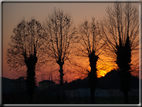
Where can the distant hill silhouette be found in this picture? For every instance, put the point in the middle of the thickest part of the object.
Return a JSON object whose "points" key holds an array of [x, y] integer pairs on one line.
{"points": [[76, 84], [110, 81]]}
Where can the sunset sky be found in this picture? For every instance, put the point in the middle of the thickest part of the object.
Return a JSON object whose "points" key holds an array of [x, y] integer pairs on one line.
{"points": [[14, 13]]}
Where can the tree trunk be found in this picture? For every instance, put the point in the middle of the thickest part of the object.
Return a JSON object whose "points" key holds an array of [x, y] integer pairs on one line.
{"points": [[92, 83], [30, 99], [126, 97], [31, 62], [61, 83], [92, 100], [92, 76], [30, 84]]}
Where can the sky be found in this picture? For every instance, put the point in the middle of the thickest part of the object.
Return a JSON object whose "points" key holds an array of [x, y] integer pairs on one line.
{"points": [[14, 13]]}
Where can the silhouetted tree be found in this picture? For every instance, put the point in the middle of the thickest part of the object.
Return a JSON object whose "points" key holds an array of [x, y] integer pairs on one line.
{"points": [[121, 31], [59, 39], [25, 43], [90, 46]]}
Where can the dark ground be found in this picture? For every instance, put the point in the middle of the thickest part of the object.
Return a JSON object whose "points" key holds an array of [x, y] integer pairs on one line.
{"points": [[55, 100]]}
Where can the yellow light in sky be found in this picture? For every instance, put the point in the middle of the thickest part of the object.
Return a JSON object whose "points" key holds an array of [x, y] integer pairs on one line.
{"points": [[101, 73], [103, 69]]}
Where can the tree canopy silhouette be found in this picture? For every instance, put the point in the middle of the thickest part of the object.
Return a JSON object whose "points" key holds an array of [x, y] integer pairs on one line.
{"points": [[24, 50], [60, 37], [121, 32], [90, 46]]}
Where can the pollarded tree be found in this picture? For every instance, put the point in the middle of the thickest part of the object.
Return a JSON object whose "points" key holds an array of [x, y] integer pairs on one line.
{"points": [[121, 31], [60, 37], [23, 51], [90, 46]]}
